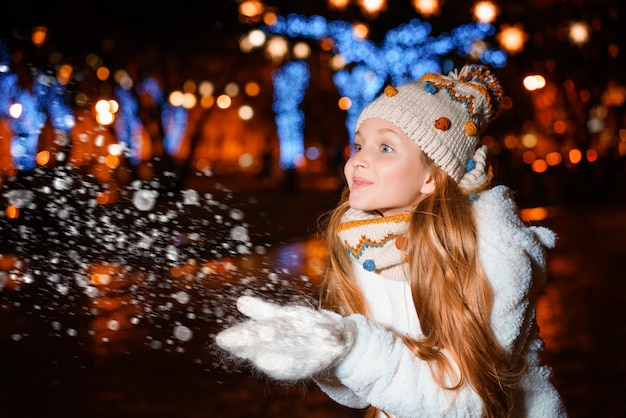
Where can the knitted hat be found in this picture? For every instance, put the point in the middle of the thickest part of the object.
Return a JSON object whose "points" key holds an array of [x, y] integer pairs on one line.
{"points": [[444, 116]]}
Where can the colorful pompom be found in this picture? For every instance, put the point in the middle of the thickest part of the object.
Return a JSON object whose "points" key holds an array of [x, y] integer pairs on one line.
{"points": [[443, 124], [471, 129], [369, 265], [430, 88], [391, 91], [480, 74], [470, 164]]}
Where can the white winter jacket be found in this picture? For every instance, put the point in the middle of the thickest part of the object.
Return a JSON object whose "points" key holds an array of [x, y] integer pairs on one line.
{"points": [[381, 371]]}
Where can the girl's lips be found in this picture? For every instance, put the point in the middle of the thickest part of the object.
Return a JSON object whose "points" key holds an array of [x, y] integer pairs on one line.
{"points": [[358, 182]]}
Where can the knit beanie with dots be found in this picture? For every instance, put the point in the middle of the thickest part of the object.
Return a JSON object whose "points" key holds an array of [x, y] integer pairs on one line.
{"points": [[445, 116]]}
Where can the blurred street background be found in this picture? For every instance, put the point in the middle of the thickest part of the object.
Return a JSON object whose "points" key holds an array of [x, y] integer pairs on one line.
{"points": [[158, 161]]}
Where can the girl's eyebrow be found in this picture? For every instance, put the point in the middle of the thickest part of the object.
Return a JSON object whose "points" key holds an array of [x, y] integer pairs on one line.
{"points": [[383, 131]]}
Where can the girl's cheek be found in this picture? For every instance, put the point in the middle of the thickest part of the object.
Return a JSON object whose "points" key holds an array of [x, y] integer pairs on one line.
{"points": [[347, 168]]}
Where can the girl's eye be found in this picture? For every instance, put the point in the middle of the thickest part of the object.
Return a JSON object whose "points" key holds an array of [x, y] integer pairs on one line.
{"points": [[357, 147], [386, 148]]}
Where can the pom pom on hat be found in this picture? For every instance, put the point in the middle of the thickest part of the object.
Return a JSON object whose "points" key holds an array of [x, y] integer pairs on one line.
{"points": [[391, 91], [444, 116], [483, 78]]}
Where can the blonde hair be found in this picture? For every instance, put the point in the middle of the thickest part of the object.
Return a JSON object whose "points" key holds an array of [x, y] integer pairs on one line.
{"points": [[452, 297]]}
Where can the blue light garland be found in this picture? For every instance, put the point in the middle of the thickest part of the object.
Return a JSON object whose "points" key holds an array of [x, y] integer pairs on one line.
{"points": [[26, 129], [48, 98], [361, 85], [290, 82], [174, 121], [406, 53], [49, 101], [150, 86], [128, 125], [173, 118]]}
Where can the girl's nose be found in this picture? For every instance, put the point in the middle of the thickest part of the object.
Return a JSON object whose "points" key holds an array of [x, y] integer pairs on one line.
{"points": [[359, 159]]}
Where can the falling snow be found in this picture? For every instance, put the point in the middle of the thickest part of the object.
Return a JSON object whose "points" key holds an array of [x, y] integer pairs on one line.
{"points": [[168, 263]]}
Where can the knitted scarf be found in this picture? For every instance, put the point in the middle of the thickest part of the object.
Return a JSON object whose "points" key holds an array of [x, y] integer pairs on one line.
{"points": [[376, 242]]}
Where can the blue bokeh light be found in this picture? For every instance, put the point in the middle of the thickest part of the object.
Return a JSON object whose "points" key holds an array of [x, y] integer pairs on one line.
{"points": [[174, 120], [48, 99], [26, 129], [151, 87], [290, 83], [128, 125], [406, 53]]}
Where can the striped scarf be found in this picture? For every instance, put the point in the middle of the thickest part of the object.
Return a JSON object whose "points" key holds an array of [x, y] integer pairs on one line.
{"points": [[376, 242]]}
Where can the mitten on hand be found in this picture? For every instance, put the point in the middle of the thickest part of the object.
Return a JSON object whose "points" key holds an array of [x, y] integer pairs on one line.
{"points": [[288, 342]]}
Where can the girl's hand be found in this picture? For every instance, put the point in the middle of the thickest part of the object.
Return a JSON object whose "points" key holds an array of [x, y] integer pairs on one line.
{"points": [[288, 342]]}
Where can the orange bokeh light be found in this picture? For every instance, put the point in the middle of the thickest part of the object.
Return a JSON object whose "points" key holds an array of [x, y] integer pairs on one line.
{"points": [[592, 155], [553, 158], [39, 35], [539, 166], [534, 214], [223, 101], [345, 103], [575, 156], [12, 212], [43, 157], [112, 161]]}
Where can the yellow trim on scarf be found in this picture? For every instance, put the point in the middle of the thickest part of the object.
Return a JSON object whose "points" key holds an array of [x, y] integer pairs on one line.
{"points": [[401, 217]]}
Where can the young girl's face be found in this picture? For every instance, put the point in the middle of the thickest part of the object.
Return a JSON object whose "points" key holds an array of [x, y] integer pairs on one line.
{"points": [[387, 171]]}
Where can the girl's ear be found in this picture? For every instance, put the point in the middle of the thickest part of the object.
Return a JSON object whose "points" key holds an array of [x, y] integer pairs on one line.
{"points": [[428, 187]]}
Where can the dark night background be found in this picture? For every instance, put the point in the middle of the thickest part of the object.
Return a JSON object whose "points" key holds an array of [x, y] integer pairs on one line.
{"points": [[60, 355]]}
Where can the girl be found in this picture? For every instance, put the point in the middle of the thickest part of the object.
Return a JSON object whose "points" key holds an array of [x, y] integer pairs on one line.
{"points": [[428, 293]]}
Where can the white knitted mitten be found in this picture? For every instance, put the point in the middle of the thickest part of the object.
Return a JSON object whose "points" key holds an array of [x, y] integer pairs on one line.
{"points": [[288, 342]]}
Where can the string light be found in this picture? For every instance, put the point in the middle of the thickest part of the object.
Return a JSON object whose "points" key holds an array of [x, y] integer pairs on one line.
{"points": [[427, 7], [578, 33], [174, 120], [128, 125], [372, 7], [512, 38], [27, 113], [534, 82], [485, 11], [105, 114], [340, 5], [290, 83], [39, 35], [251, 8], [174, 116], [276, 48]]}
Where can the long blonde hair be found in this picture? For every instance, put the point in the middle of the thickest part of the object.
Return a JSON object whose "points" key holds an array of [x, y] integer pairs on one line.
{"points": [[452, 296]]}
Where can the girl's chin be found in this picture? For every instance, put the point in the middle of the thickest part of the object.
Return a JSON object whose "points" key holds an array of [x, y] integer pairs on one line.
{"points": [[362, 206]]}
